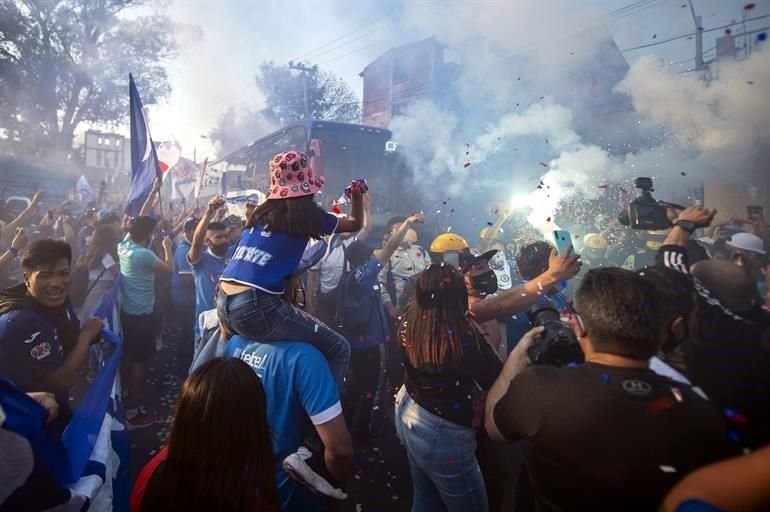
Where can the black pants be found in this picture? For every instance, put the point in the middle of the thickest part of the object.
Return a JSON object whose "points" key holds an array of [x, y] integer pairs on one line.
{"points": [[326, 310], [185, 316], [500, 466], [363, 389]]}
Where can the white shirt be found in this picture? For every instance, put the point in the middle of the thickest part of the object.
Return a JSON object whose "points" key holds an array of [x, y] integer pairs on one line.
{"points": [[331, 266]]}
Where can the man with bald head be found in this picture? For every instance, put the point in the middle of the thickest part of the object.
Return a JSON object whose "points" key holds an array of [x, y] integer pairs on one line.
{"points": [[728, 355]]}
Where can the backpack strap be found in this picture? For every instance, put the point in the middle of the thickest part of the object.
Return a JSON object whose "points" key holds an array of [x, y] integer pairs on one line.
{"points": [[99, 278]]}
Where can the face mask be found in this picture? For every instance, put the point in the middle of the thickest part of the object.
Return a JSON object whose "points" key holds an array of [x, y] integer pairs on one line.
{"points": [[220, 249], [485, 283]]}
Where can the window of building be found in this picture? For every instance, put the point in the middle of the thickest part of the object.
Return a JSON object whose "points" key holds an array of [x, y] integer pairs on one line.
{"points": [[98, 158], [400, 71], [99, 141], [117, 143]]}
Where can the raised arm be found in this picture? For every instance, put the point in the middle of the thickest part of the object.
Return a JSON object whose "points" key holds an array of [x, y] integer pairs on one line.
{"points": [[366, 230], [199, 238], [24, 216], [699, 217], [354, 222], [516, 300], [167, 263], [17, 245], [394, 241]]}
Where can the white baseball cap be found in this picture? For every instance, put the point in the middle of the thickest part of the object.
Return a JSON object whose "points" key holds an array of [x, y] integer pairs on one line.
{"points": [[747, 242]]}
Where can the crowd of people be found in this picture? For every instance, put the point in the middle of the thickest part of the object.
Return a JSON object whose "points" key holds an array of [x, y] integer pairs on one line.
{"points": [[631, 369]]}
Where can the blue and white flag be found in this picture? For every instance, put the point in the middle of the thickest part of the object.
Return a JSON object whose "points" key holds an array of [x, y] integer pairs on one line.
{"points": [[144, 159], [85, 190]]}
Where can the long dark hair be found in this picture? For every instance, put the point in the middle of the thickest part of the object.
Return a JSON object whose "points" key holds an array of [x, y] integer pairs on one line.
{"points": [[219, 452], [437, 319], [104, 241], [298, 216]]}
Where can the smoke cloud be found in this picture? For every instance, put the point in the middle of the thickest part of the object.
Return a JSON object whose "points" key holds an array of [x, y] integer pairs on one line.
{"points": [[511, 142]]}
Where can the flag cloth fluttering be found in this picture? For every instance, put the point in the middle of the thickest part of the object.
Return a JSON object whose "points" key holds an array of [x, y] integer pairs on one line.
{"points": [[144, 158]]}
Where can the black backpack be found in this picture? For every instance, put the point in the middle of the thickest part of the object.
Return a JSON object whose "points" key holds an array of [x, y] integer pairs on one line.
{"points": [[355, 305]]}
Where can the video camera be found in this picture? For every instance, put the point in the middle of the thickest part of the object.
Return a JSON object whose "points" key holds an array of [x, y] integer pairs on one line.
{"points": [[557, 345], [646, 212]]}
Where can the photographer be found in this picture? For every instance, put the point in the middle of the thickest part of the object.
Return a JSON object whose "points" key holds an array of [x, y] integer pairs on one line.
{"points": [[727, 354], [593, 428], [532, 260]]}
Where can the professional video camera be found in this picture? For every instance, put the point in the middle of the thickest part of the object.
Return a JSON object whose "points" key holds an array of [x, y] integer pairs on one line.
{"points": [[646, 212], [557, 345]]}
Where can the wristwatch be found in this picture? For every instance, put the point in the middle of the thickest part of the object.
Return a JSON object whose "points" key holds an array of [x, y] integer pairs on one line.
{"points": [[687, 225]]}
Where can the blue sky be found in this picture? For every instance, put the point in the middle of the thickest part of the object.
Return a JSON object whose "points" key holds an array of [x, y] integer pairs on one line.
{"points": [[217, 71]]}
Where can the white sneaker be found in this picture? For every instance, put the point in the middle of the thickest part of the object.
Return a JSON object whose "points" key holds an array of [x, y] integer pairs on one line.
{"points": [[296, 467]]}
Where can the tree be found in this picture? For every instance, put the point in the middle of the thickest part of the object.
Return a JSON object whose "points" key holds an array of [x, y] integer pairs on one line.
{"points": [[329, 97], [66, 62]]}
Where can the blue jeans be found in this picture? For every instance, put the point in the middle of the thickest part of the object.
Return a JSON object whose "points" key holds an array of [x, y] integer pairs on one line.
{"points": [[264, 317], [442, 460]]}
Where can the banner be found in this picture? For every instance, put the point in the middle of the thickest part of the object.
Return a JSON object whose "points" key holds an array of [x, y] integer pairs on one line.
{"points": [[236, 201], [184, 177], [210, 183]]}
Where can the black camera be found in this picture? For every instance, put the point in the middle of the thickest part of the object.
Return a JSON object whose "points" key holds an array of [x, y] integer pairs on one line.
{"points": [[646, 212], [557, 345]]}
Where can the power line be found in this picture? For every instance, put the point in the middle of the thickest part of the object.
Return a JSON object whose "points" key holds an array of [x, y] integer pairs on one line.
{"points": [[349, 42], [692, 34], [339, 38], [599, 20], [383, 41]]}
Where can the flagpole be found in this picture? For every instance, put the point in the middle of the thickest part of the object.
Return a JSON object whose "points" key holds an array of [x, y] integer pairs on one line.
{"points": [[200, 180], [160, 202]]}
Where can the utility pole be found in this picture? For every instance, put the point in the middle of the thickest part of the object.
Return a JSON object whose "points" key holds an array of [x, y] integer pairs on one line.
{"points": [[698, 20], [305, 70]]}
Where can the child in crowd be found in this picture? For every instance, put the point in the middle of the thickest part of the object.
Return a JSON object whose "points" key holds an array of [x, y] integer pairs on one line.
{"points": [[250, 302]]}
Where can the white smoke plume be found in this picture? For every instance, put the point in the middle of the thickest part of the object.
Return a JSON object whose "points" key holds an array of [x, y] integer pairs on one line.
{"points": [[509, 143]]}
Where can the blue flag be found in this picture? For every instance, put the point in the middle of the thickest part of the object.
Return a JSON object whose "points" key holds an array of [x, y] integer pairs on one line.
{"points": [[144, 159]]}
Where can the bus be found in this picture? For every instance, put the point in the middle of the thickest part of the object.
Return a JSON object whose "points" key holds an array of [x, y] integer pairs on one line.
{"points": [[349, 151]]}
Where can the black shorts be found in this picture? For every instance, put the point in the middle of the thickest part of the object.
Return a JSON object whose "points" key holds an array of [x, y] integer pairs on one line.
{"points": [[139, 333]]}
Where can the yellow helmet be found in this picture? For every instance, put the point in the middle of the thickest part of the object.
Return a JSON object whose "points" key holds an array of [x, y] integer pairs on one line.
{"points": [[594, 241], [448, 242]]}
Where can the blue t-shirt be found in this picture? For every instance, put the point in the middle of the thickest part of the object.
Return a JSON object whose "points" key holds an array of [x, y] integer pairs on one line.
{"points": [[264, 259], [206, 272], [377, 328], [182, 294], [137, 266], [518, 325], [299, 387]]}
